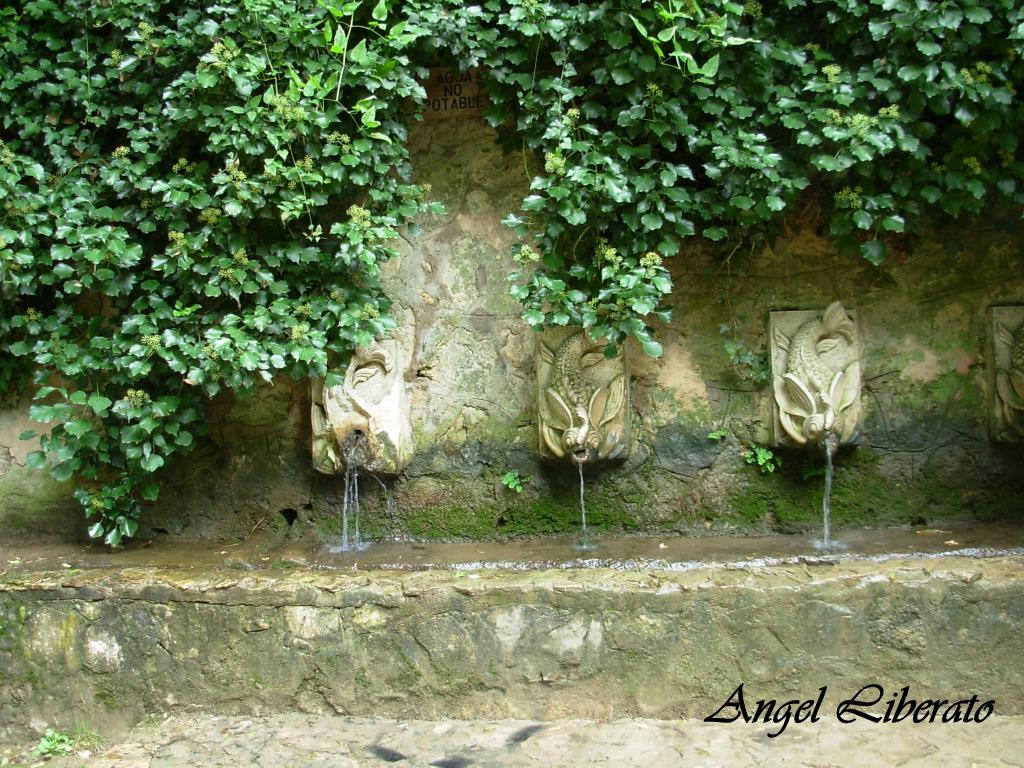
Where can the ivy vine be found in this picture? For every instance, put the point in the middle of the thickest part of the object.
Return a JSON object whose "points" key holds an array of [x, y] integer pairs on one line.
{"points": [[199, 197], [658, 122], [196, 197]]}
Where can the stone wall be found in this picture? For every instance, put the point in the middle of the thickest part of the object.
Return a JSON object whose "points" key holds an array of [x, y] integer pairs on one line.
{"points": [[107, 647], [924, 455]]}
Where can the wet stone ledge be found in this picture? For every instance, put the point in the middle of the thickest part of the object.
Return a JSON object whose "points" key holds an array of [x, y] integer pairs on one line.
{"points": [[113, 645]]}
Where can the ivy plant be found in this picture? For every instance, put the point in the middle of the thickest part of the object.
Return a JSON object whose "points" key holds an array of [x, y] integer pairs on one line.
{"points": [[198, 197], [515, 481], [655, 123]]}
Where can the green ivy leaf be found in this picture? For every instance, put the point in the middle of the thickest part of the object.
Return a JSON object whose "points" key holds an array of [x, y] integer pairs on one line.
{"points": [[100, 405], [893, 223], [622, 76], [651, 347], [78, 427], [533, 317], [63, 471], [863, 219], [874, 251], [153, 462], [651, 221], [977, 15]]}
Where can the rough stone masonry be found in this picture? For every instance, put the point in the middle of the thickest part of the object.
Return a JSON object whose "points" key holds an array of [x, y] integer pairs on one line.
{"points": [[112, 645]]}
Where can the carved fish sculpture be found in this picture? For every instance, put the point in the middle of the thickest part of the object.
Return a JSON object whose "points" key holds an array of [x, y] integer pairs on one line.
{"points": [[1010, 381], [822, 379], [575, 409]]}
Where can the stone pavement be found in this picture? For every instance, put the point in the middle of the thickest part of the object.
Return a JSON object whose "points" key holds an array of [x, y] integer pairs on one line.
{"points": [[311, 741]]}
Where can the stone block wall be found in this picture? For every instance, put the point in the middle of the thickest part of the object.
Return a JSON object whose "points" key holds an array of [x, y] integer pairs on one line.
{"points": [[109, 646]]}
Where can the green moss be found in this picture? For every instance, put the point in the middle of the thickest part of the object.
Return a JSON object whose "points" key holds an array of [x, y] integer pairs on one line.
{"points": [[16, 522], [370, 527], [451, 522], [957, 396], [557, 513], [110, 698], [13, 615], [328, 526], [32, 502], [791, 501], [554, 511], [544, 515]]}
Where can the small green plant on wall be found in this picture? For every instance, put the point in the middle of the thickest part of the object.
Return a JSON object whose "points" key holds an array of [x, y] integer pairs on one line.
{"points": [[57, 743], [54, 744], [515, 481], [811, 470], [763, 458], [749, 365]]}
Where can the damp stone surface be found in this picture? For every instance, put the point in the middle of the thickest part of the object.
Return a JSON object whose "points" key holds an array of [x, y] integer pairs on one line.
{"points": [[1006, 373], [114, 645]]}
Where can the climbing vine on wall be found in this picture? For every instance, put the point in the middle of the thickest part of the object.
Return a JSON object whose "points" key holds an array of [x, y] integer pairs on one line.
{"points": [[199, 197], [660, 122], [195, 197]]}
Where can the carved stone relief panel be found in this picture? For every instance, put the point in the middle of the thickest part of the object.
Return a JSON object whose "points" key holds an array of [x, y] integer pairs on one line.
{"points": [[365, 420], [815, 376], [583, 398], [1006, 373]]}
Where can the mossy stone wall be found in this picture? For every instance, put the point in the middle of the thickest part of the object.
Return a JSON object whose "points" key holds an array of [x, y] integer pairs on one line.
{"points": [[115, 645], [925, 453]]}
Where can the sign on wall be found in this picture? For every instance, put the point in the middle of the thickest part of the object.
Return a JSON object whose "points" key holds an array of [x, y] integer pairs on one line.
{"points": [[453, 95]]}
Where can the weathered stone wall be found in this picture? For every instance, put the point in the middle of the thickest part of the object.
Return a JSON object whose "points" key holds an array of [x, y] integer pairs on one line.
{"points": [[925, 453], [113, 645]]}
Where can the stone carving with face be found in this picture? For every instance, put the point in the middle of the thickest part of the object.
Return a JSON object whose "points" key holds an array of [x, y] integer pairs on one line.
{"points": [[818, 393], [583, 398], [1010, 380], [366, 419]]}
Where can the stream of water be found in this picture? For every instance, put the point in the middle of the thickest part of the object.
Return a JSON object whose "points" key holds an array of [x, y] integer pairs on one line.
{"points": [[350, 498], [826, 502], [585, 542]]}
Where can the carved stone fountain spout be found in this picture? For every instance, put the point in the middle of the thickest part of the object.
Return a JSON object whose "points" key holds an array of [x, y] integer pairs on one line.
{"points": [[1008, 373], [816, 377], [816, 382], [583, 398], [366, 419]]}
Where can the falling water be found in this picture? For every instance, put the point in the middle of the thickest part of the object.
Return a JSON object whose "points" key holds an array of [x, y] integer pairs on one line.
{"points": [[826, 503], [350, 497], [354, 495], [584, 537], [350, 471], [389, 503]]}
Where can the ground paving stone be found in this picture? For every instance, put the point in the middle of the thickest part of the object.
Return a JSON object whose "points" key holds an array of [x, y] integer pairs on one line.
{"points": [[314, 741]]}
